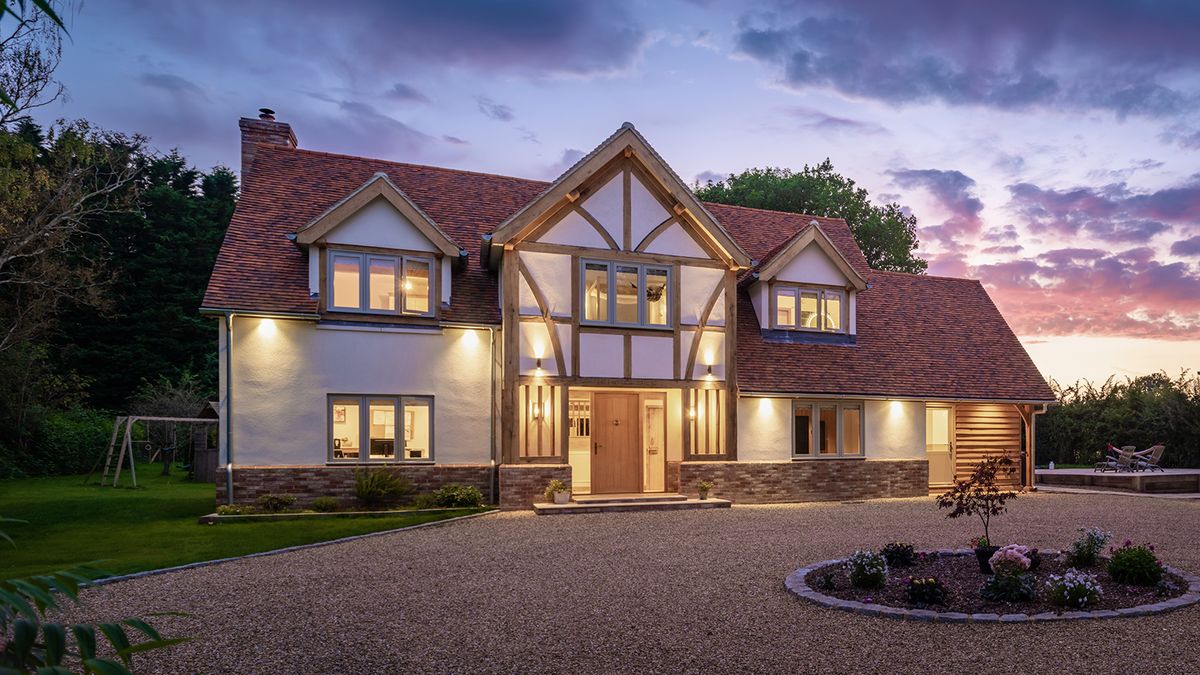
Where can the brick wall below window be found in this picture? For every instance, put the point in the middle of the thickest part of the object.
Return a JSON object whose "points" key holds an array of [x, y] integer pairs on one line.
{"points": [[809, 480], [523, 484], [309, 482]]}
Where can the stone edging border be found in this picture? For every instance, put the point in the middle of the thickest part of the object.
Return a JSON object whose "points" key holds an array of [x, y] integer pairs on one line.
{"points": [[796, 585], [287, 549]]}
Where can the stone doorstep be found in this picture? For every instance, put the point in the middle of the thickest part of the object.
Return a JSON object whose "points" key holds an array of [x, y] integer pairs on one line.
{"points": [[544, 509], [628, 498]]}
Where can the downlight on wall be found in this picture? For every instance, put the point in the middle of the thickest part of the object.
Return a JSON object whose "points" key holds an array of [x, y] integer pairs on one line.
{"points": [[267, 328]]}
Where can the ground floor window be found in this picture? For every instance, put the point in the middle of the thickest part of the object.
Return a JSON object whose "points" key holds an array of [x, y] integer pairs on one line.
{"points": [[380, 428], [826, 429]]}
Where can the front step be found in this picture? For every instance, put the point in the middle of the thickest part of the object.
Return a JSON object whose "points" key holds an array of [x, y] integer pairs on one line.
{"points": [[629, 498], [543, 509]]}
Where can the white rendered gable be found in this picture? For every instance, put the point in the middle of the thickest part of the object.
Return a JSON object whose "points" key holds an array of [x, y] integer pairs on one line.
{"points": [[812, 266], [379, 224]]}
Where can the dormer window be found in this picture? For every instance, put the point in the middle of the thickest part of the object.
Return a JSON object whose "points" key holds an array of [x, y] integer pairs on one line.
{"points": [[814, 309], [380, 284]]}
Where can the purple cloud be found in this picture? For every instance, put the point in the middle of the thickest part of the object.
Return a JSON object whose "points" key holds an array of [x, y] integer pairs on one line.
{"points": [[955, 192], [811, 118], [407, 93], [1187, 247], [496, 111], [1072, 54], [1111, 213], [1092, 292]]}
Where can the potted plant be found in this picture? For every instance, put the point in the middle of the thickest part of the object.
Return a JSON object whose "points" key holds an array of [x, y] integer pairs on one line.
{"points": [[704, 487], [981, 496], [557, 492]]}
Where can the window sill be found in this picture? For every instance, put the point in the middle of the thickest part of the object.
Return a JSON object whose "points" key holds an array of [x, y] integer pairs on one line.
{"points": [[822, 458], [621, 328], [378, 462]]}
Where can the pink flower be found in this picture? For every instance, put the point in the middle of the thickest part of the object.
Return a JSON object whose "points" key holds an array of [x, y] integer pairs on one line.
{"points": [[1129, 542], [868, 600], [1151, 547]]}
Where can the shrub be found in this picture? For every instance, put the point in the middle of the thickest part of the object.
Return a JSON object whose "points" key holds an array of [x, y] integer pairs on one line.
{"points": [[1009, 588], [980, 494], [68, 442], [553, 487], [1135, 564], [704, 486], [454, 495], [926, 591], [898, 554], [232, 510], [866, 569], [1010, 560], [325, 504], [424, 500], [1085, 551], [373, 487], [273, 503], [824, 582], [1073, 589]]}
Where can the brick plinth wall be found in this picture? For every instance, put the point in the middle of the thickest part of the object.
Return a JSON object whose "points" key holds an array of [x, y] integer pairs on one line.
{"points": [[523, 484], [809, 480], [672, 477], [309, 482]]}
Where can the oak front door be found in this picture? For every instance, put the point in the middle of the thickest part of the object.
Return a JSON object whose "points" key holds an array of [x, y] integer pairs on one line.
{"points": [[616, 447]]}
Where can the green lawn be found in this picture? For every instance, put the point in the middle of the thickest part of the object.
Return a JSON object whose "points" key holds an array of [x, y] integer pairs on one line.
{"points": [[149, 527]]}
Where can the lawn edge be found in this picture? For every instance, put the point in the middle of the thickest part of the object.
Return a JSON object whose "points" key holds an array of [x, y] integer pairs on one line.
{"points": [[287, 549]]}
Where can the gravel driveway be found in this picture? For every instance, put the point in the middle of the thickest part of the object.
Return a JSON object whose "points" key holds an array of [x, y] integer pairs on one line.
{"points": [[667, 592]]}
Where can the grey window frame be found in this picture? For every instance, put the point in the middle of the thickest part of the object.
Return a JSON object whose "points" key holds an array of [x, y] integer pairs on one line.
{"points": [[795, 290], [364, 442], [401, 261], [611, 266], [814, 441]]}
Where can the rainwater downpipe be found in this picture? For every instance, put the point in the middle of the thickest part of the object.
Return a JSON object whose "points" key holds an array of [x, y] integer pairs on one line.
{"points": [[229, 407]]}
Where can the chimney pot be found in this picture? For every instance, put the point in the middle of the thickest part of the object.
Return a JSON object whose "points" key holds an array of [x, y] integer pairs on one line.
{"points": [[266, 114]]}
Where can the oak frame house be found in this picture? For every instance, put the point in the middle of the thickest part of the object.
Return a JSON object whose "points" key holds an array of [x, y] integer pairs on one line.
{"points": [[607, 329]]}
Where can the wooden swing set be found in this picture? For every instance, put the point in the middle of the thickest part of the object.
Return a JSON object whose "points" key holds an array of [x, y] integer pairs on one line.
{"points": [[127, 441]]}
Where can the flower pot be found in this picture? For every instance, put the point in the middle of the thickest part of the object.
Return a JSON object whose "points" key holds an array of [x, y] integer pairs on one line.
{"points": [[704, 495], [562, 497], [983, 554]]}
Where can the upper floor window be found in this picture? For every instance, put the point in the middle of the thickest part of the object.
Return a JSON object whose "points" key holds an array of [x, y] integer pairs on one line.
{"points": [[380, 284], [799, 308], [625, 294]]}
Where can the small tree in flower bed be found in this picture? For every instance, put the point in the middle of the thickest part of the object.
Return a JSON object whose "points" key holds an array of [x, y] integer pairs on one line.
{"points": [[925, 591], [1135, 564], [866, 569], [980, 495], [1073, 589]]}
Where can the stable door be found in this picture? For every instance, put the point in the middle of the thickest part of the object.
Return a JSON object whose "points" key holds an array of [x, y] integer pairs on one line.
{"points": [[939, 445], [616, 444]]}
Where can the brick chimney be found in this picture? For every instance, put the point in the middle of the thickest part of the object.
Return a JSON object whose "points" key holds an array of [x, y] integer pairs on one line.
{"points": [[263, 130]]}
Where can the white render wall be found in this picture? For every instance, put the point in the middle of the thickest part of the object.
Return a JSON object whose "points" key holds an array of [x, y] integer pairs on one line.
{"points": [[894, 429], [283, 371]]}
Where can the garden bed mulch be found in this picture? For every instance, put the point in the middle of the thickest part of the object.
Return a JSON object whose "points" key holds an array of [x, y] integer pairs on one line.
{"points": [[962, 576]]}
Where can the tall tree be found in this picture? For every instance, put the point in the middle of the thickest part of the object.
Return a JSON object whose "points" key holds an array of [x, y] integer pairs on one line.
{"points": [[30, 49], [49, 195], [160, 257], [886, 234]]}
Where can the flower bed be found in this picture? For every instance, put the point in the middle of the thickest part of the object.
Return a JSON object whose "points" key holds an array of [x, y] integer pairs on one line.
{"points": [[907, 591]]}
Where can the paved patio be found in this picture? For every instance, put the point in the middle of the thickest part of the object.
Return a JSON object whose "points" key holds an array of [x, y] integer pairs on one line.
{"points": [[677, 591]]}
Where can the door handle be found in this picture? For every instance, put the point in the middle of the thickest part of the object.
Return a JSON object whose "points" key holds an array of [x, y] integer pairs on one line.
{"points": [[595, 448]]}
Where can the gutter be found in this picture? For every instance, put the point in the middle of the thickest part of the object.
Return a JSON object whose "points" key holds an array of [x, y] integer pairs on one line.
{"points": [[877, 397], [261, 315]]}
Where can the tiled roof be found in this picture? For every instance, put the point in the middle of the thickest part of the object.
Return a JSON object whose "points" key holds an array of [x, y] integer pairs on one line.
{"points": [[917, 335]]}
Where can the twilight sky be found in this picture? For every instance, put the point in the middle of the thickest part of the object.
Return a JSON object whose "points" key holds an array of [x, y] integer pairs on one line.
{"points": [[1051, 150]]}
